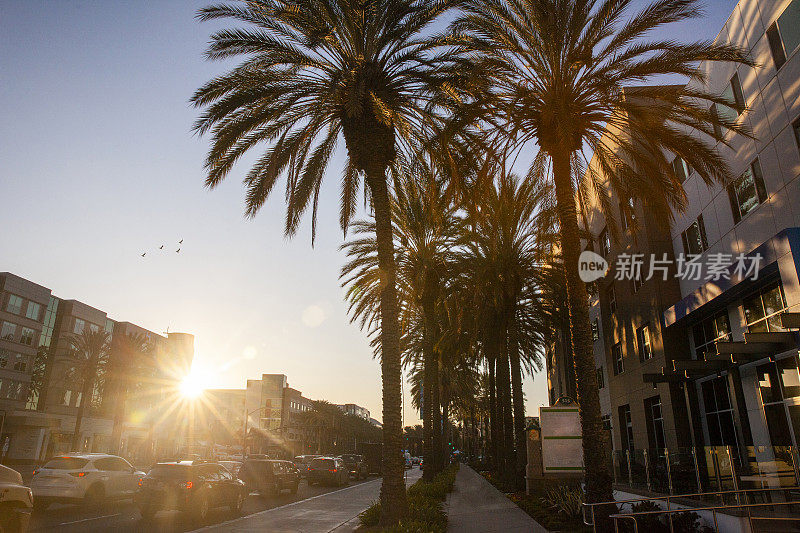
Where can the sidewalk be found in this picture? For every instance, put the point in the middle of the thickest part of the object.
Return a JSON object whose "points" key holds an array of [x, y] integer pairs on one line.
{"points": [[476, 506]]}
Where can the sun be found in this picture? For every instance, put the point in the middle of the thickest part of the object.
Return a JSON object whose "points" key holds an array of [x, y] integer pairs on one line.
{"points": [[192, 386]]}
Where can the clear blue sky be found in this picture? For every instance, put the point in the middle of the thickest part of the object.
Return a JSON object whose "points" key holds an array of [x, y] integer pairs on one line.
{"points": [[98, 165]]}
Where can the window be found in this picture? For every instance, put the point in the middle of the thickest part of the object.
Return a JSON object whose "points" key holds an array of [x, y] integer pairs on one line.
{"points": [[694, 238], [7, 331], [784, 34], [80, 325], [626, 427], [606, 422], [66, 398], [719, 412], [33, 311], [14, 304], [605, 243], [27, 336], [762, 310], [20, 362], [595, 330], [78, 398], [796, 127], [626, 214], [681, 168], [655, 423], [746, 192], [778, 381], [612, 299], [601, 382], [709, 331], [645, 344], [616, 353], [732, 94]]}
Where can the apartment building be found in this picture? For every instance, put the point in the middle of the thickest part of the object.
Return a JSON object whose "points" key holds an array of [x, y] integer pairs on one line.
{"points": [[704, 361], [353, 409], [40, 380], [273, 410]]}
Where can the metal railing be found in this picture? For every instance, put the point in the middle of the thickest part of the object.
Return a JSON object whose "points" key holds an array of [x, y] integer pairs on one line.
{"points": [[668, 499]]}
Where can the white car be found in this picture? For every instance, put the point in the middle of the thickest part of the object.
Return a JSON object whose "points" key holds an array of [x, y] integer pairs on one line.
{"points": [[84, 478], [16, 501]]}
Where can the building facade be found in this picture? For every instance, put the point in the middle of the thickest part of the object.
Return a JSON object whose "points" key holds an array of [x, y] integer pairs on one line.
{"points": [[703, 360], [41, 383]]}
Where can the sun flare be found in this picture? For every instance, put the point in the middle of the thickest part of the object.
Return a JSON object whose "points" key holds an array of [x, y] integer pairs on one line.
{"points": [[193, 385]]}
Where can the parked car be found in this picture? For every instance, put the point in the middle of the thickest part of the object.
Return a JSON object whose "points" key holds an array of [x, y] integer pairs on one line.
{"points": [[16, 501], [302, 461], [232, 466], [88, 478], [328, 471], [269, 476], [355, 465], [193, 487]]}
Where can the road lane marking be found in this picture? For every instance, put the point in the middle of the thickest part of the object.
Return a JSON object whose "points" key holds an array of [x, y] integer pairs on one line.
{"points": [[265, 511], [89, 519]]}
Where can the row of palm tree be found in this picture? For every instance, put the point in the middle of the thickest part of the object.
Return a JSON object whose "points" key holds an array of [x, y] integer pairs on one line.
{"points": [[463, 87], [329, 430]]}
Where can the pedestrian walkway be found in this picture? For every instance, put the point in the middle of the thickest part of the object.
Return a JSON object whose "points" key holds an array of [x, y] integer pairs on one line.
{"points": [[476, 506]]}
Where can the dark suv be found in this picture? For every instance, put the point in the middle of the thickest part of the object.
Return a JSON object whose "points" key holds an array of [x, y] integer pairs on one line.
{"points": [[190, 487], [355, 465], [269, 476], [328, 471]]}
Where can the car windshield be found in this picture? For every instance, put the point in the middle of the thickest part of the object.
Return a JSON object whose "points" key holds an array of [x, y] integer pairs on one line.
{"points": [[169, 472], [322, 463], [351, 458], [66, 463]]}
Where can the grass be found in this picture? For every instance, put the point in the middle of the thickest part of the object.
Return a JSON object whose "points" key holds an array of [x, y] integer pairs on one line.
{"points": [[554, 503], [425, 501]]}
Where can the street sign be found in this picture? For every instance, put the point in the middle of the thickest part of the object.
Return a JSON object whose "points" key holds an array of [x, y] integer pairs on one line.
{"points": [[562, 449]]}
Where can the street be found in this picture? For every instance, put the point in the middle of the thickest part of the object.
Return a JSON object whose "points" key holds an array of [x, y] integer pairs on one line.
{"points": [[124, 516]]}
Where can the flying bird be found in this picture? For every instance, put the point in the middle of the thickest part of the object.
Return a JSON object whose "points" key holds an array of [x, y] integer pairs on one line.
{"points": [[180, 241], [178, 251], [144, 254], [161, 247]]}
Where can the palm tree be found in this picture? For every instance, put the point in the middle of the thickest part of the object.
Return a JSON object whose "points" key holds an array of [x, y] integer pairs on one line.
{"points": [[315, 71], [126, 362], [555, 72], [425, 230], [91, 349]]}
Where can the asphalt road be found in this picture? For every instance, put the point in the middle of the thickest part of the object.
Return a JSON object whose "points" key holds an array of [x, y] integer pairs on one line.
{"points": [[334, 512], [123, 516]]}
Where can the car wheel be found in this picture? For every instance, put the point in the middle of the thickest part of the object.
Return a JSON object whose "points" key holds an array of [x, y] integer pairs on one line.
{"points": [[238, 504], [201, 509], [94, 495]]}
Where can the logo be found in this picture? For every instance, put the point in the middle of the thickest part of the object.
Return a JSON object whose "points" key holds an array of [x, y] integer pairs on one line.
{"points": [[591, 266]]}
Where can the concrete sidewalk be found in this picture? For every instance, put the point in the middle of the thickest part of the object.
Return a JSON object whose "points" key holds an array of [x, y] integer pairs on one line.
{"points": [[476, 506]]}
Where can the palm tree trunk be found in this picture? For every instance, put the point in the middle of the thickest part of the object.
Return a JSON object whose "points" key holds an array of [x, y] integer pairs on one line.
{"points": [[394, 504], [493, 418], [436, 412], [519, 410], [89, 374], [598, 478], [507, 420], [431, 427]]}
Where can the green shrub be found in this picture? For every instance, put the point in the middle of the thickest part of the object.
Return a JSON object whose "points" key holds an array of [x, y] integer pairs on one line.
{"points": [[564, 499], [371, 516], [425, 512]]}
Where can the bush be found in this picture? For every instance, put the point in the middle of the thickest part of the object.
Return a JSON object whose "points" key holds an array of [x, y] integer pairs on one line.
{"points": [[564, 499], [424, 505]]}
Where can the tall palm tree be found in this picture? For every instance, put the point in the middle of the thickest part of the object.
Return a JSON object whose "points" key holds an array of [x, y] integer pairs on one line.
{"points": [[90, 348], [127, 359], [315, 71], [555, 72], [425, 231]]}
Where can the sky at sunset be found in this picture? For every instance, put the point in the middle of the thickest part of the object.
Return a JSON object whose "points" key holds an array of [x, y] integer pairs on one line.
{"points": [[98, 165]]}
